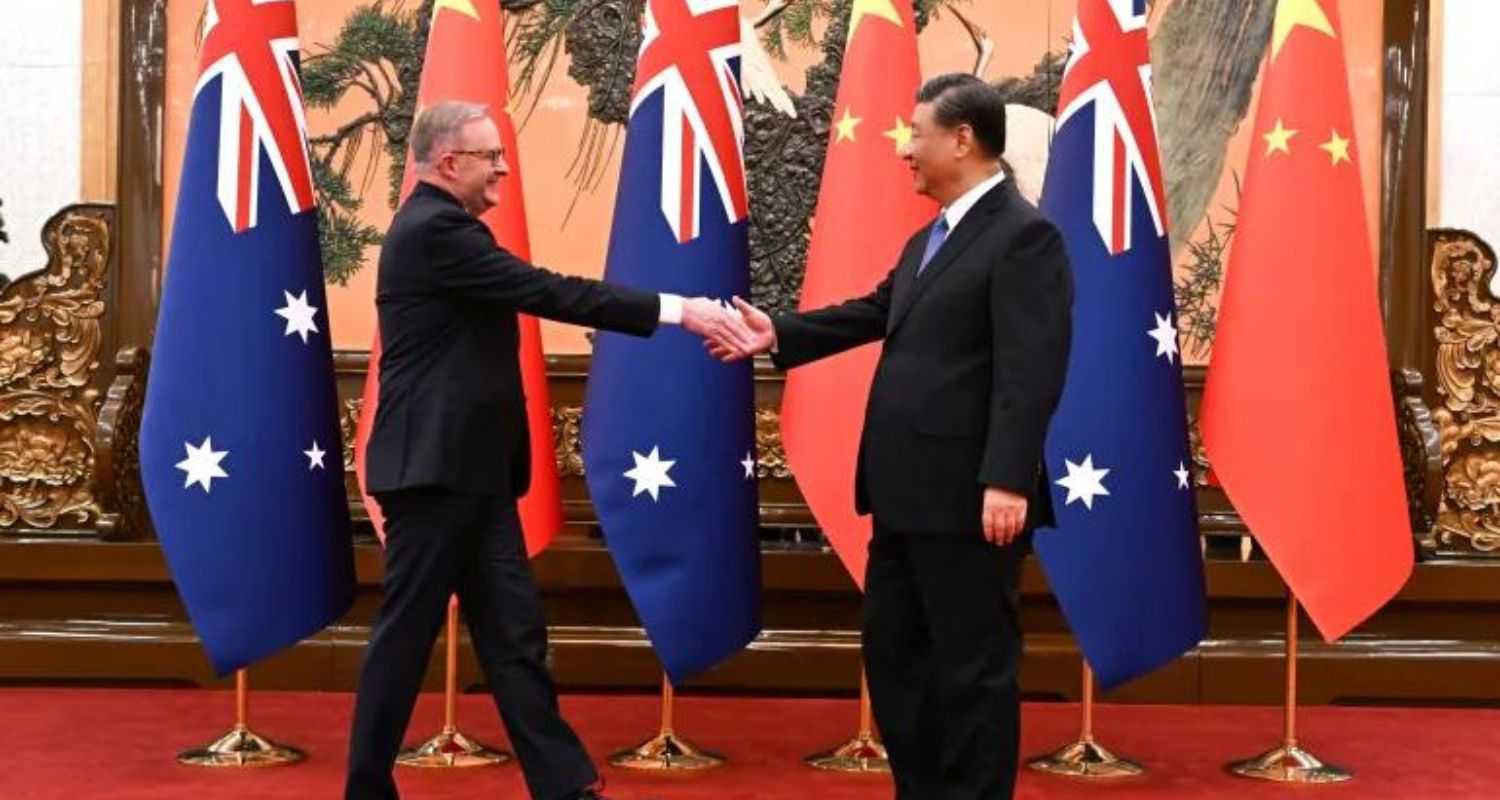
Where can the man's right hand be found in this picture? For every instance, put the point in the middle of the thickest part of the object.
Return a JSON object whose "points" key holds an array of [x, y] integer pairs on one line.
{"points": [[715, 323], [754, 334]]}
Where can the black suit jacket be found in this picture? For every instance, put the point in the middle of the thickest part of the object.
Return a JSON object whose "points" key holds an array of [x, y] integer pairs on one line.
{"points": [[452, 413], [970, 372]]}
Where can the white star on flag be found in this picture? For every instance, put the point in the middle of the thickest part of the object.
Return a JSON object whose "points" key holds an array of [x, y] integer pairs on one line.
{"points": [[1084, 482], [315, 457], [1165, 334], [202, 464], [650, 473], [298, 315], [749, 465], [1182, 475]]}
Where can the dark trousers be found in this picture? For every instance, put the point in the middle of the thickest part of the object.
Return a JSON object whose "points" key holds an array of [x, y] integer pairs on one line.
{"points": [[942, 647], [439, 543]]}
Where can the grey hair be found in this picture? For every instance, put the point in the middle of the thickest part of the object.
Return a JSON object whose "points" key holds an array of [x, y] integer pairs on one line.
{"points": [[440, 123]]}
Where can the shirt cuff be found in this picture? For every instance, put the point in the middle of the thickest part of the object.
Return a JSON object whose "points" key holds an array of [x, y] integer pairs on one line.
{"points": [[671, 309]]}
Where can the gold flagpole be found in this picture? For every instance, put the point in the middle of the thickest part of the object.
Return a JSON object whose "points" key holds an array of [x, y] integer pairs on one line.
{"points": [[665, 750], [1086, 758], [863, 753], [240, 747], [450, 747], [1289, 763]]}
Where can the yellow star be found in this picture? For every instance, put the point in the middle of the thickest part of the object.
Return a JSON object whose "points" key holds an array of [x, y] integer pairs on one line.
{"points": [[1337, 147], [847, 125], [1292, 13], [901, 134], [1278, 138], [465, 7], [884, 9]]}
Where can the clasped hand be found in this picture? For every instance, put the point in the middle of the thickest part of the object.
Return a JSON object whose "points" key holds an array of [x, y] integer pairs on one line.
{"points": [[730, 333]]}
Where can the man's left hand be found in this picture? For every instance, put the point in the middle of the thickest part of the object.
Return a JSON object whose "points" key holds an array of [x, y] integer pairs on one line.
{"points": [[1004, 516]]}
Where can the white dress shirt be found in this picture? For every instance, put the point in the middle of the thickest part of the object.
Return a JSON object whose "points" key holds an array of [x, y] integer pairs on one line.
{"points": [[958, 208]]}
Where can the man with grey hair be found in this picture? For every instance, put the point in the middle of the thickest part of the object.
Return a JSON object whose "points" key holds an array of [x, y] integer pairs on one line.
{"points": [[450, 452]]}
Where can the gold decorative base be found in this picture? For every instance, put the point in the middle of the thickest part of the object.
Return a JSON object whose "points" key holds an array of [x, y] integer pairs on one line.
{"points": [[1289, 764], [241, 747], [1086, 759], [863, 753], [451, 748], [666, 752]]}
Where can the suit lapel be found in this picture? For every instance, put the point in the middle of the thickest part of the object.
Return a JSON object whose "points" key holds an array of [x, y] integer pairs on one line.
{"points": [[906, 274], [974, 223]]}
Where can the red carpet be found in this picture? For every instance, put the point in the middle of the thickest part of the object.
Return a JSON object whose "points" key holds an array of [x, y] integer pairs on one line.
{"points": [[85, 744]]}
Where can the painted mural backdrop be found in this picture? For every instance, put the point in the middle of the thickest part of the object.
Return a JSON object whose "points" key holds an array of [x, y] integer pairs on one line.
{"points": [[571, 61]]}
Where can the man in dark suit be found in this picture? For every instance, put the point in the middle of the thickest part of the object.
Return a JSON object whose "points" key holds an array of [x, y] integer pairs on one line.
{"points": [[975, 319], [449, 452]]}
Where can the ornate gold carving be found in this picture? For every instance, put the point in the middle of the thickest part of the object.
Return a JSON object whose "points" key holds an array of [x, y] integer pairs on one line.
{"points": [[1468, 387], [567, 428], [770, 454], [49, 352], [567, 438], [117, 465], [349, 426]]}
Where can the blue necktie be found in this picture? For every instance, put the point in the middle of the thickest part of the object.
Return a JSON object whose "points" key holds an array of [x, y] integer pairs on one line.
{"points": [[934, 242]]}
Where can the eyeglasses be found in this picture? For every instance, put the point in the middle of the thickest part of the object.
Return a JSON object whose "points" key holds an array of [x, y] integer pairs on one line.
{"points": [[493, 156]]}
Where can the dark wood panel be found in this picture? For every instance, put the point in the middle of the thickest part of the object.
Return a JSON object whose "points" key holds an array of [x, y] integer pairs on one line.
{"points": [[130, 319], [1405, 283], [582, 563], [106, 613]]}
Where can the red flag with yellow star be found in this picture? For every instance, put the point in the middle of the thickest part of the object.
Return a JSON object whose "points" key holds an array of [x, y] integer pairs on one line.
{"points": [[866, 211], [465, 60], [1297, 415]]}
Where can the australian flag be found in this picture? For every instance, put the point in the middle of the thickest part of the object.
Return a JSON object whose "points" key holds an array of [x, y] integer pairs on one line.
{"points": [[668, 432], [1125, 560], [241, 453]]}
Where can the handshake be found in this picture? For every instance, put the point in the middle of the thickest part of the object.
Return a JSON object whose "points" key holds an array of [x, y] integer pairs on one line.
{"points": [[730, 333]]}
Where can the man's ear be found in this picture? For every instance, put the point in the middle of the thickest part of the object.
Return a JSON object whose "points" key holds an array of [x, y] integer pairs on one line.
{"points": [[963, 140]]}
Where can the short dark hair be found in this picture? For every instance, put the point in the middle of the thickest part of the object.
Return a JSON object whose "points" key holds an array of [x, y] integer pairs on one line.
{"points": [[962, 99]]}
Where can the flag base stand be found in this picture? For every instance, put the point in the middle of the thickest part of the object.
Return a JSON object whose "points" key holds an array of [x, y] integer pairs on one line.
{"points": [[863, 753], [241, 747], [1289, 764], [1086, 759], [665, 751], [450, 748]]}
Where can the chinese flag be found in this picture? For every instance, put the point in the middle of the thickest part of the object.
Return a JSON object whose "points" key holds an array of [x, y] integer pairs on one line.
{"points": [[1297, 414], [866, 211], [466, 61]]}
